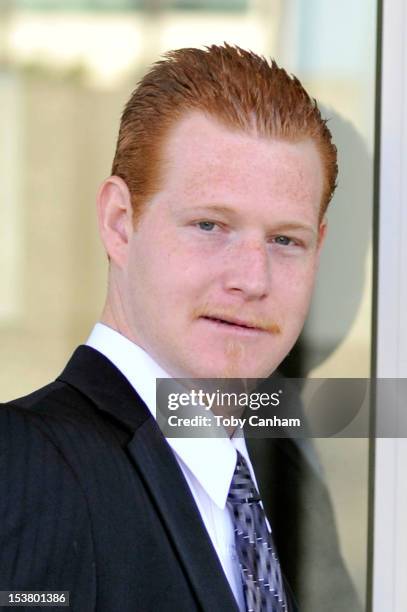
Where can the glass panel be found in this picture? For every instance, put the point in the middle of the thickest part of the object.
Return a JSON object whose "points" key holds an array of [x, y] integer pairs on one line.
{"points": [[335, 55], [65, 75]]}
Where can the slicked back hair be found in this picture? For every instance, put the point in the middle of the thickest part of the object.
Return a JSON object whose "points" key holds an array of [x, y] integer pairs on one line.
{"points": [[238, 88]]}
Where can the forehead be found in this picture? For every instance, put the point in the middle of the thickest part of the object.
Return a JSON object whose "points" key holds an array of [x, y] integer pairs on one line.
{"points": [[204, 159]]}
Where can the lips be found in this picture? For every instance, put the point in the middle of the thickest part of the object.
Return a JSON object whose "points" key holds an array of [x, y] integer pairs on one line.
{"points": [[233, 323]]}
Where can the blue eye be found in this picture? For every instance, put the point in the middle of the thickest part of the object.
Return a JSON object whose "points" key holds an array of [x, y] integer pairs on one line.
{"points": [[283, 240], [206, 226]]}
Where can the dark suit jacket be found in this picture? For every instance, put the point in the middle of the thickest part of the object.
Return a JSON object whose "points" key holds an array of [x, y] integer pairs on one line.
{"points": [[92, 501]]}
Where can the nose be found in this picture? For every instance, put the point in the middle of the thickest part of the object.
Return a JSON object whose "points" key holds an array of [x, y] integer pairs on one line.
{"points": [[248, 270]]}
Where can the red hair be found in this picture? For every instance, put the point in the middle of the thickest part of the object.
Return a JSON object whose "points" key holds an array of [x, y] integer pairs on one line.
{"points": [[238, 88]]}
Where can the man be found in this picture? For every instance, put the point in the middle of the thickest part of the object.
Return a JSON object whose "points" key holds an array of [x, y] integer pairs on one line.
{"points": [[213, 222]]}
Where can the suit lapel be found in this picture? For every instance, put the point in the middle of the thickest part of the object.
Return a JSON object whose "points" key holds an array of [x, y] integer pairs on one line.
{"points": [[103, 383], [177, 509]]}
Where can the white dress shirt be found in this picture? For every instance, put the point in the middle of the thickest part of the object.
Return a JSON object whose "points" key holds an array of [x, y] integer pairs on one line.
{"points": [[208, 464]]}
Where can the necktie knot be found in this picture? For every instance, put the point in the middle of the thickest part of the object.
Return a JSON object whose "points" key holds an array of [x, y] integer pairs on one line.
{"points": [[242, 488]]}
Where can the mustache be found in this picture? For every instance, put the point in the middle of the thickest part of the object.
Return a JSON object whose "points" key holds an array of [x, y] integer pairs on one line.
{"points": [[262, 322]]}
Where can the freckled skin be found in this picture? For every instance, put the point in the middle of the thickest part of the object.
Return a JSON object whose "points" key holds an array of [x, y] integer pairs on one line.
{"points": [[175, 272]]}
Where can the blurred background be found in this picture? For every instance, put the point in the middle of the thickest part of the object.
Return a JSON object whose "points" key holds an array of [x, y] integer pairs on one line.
{"points": [[66, 69]]}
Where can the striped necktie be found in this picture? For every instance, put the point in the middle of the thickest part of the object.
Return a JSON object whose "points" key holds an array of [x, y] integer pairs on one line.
{"points": [[260, 569]]}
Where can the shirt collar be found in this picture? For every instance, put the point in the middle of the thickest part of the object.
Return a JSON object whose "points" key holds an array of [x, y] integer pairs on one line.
{"points": [[133, 362], [212, 461]]}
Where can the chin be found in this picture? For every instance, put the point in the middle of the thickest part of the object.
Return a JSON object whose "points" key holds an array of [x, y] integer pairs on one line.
{"points": [[224, 369]]}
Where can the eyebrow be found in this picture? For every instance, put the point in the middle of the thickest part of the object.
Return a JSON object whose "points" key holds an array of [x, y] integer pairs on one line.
{"points": [[280, 226], [216, 208], [290, 225]]}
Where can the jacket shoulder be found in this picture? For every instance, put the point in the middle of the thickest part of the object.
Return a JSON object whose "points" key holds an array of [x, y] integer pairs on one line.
{"points": [[56, 398], [62, 415]]}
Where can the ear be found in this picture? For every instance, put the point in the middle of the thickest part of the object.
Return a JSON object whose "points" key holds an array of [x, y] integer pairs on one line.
{"points": [[115, 218], [322, 231]]}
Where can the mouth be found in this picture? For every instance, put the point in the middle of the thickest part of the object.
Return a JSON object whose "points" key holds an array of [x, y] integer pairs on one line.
{"points": [[233, 324]]}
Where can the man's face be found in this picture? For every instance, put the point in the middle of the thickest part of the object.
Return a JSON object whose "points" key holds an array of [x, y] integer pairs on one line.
{"points": [[221, 265]]}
